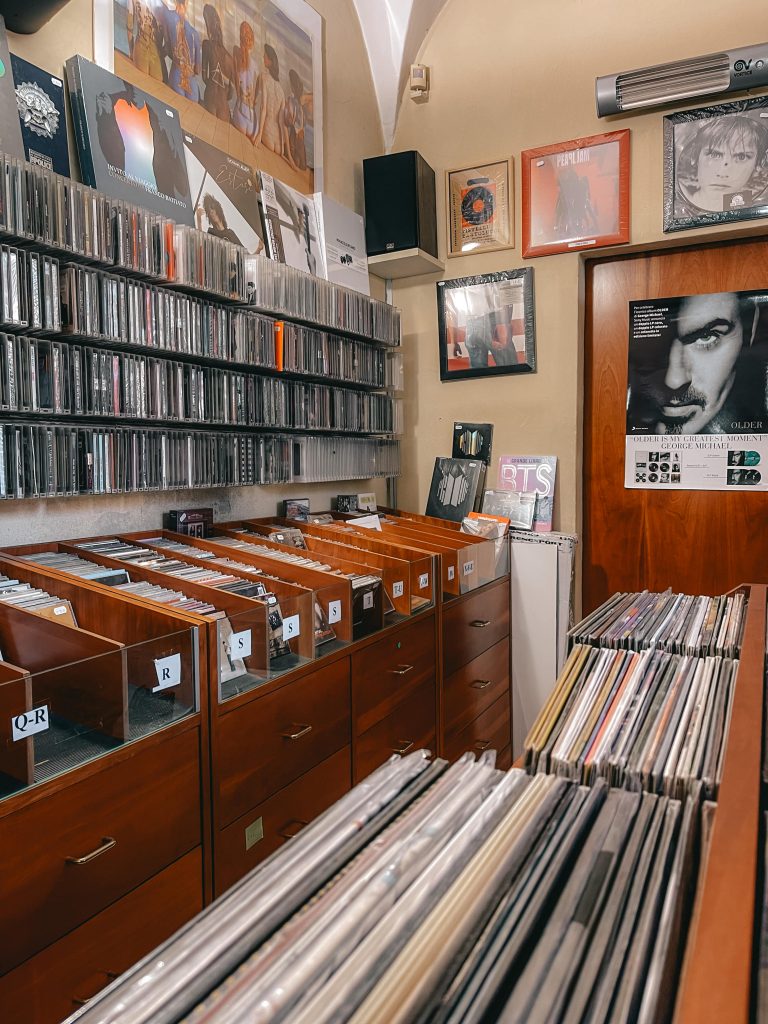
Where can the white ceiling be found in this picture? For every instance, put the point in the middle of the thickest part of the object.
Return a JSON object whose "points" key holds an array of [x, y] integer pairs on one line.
{"points": [[394, 31]]}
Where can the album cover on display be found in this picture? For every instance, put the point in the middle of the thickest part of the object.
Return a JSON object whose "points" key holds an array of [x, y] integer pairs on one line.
{"points": [[225, 195], [296, 508], [525, 473], [292, 227], [11, 141], [454, 488], [472, 441], [130, 144], [40, 103], [343, 234]]}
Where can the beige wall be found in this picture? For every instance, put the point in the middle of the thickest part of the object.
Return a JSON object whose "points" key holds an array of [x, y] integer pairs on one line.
{"points": [[352, 131], [507, 75]]}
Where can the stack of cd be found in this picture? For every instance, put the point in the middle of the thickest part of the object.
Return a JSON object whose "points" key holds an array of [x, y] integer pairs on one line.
{"points": [[32, 599], [333, 357], [315, 459], [671, 622], [650, 720], [206, 263]]}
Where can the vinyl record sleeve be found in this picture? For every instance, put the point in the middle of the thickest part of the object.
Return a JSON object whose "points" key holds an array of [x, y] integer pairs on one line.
{"points": [[292, 227], [454, 488], [343, 234], [130, 143], [40, 105]]}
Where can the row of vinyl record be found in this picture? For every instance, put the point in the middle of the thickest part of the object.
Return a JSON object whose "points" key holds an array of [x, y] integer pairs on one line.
{"points": [[441, 894], [64, 379], [51, 460], [105, 307], [53, 211]]}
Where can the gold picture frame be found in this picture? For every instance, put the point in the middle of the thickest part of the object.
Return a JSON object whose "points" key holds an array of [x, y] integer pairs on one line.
{"points": [[479, 205]]}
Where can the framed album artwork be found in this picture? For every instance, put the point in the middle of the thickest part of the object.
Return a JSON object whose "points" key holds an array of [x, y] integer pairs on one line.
{"points": [[576, 194], [716, 164], [486, 325], [479, 205]]}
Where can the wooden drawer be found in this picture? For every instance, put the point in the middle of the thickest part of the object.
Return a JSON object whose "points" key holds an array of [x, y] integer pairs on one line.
{"points": [[474, 687], [53, 984], [279, 818], [474, 623], [386, 673], [266, 744], [147, 805], [411, 725], [490, 731]]}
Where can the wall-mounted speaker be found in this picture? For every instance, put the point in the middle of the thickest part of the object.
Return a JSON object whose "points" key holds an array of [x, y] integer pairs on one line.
{"points": [[400, 210]]}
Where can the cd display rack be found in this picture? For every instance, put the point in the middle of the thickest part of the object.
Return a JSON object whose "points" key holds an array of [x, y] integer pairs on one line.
{"points": [[168, 325]]}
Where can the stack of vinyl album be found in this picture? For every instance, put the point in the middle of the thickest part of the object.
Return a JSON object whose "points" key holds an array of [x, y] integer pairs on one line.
{"points": [[437, 893]]}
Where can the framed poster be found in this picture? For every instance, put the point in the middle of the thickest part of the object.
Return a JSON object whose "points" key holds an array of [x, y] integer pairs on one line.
{"points": [[697, 393], [486, 325], [245, 76], [716, 164], [479, 205], [576, 194]]}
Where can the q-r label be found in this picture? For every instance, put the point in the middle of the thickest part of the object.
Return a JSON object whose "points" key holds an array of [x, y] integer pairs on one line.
{"points": [[30, 722]]}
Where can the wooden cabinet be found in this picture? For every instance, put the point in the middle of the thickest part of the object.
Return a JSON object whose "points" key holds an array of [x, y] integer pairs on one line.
{"points": [[489, 731], [410, 726], [474, 687], [55, 982], [475, 622]]}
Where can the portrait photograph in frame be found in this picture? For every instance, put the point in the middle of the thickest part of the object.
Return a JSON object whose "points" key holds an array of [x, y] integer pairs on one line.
{"points": [[486, 325], [576, 194], [716, 164], [479, 204]]}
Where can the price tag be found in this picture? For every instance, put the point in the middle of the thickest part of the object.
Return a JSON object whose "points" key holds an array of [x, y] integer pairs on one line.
{"points": [[468, 568], [451, 572], [291, 627], [168, 672], [239, 644], [30, 722], [397, 589], [424, 581], [368, 600], [334, 611], [60, 609]]}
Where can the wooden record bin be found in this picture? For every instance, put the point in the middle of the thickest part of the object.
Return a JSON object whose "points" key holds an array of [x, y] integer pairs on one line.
{"points": [[104, 809]]}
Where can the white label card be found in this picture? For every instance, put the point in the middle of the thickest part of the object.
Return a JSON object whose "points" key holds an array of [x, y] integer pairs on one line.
{"points": [[451, 572], [368, 600], [30, 722], [468, 568], [60, 610], [240, 644], [291, 627], [168, 672], [424, 581], [334, 611], [398, 589]]}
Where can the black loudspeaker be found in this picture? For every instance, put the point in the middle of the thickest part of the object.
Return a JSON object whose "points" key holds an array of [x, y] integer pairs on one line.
{"points": [[399, 204]]}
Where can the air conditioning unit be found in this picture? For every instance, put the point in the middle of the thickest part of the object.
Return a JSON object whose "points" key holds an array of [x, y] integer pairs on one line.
{"points": [[714, 74]]}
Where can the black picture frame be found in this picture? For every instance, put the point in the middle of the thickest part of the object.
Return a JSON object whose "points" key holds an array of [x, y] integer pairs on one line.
{"points": [[486, 325], [726, 145]]}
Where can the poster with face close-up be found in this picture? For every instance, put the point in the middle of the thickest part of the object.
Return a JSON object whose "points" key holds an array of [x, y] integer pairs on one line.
{"points": [[697, 393]]}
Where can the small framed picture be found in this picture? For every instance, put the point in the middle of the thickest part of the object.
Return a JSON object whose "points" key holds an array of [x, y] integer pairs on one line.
{"points": [[716, 164], [479, 205], [576, 194], [486, 325]]}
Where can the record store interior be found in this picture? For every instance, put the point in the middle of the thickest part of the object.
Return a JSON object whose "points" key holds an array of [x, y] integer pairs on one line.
{"points": [[383, 562]]}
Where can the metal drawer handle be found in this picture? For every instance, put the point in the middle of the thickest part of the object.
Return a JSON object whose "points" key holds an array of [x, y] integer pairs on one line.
{"points": [[401, 670], [480, 623], [480, 684], [292, 829], [107, 843], [405, 746], [482, 744], [302, 731]]}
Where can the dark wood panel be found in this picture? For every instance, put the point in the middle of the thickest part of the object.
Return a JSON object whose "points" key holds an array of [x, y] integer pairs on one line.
{"points": [[410, 726], [694, 541], [473, 623], [272, 741], [149, 804], [475, 686], [53, 984], [387, 672], [490, 731], [253, 837]]}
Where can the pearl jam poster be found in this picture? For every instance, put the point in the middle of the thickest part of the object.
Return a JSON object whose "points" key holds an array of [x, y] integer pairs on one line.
{"points": [[697, 393]]}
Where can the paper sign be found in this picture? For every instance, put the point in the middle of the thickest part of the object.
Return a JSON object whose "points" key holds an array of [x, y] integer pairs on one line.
{"points": [[368, 600], [397, 589], [168, 672], [239, 645], [291, 627], [451, 572], [254, 833], [60, 610], [424, 581], [334, 611], [368, 522], [468, 568], [30, 722]]}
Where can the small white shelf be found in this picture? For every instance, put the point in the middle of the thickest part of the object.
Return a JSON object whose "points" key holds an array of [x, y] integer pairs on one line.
{"points": [[405, 263]]}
